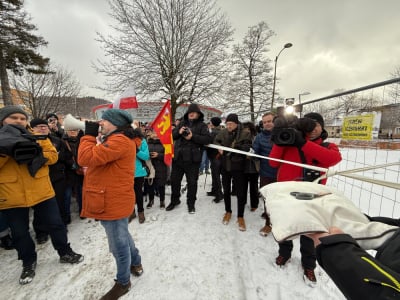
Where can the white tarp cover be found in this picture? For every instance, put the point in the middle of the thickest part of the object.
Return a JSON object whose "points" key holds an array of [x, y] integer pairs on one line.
{"points": [[291, 217]]}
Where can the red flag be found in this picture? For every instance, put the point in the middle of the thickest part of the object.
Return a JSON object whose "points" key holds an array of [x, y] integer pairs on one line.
{"points": [[162, 126], [126, 100]]}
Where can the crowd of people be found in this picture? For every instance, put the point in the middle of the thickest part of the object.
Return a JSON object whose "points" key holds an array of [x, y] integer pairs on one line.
{"points": [[103, 165]]}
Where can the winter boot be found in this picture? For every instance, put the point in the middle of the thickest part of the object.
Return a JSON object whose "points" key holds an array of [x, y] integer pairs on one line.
{"points": [[281, 260], [141, 218], [28, 272], [265, 230], [242, 224], [150, 204], [226, 218], [71, 258], [117, 291], [6, 242], [309, 277], [137, 270], [162, 204]]}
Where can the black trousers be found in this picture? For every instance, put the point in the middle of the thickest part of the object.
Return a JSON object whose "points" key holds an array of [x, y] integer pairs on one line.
{"points": [[240, 182], [252, 179], [216, 177], [138, 187], [191, 171], [307, 250]]}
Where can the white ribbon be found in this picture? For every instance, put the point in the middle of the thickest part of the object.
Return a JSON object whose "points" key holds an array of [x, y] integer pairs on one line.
{"points": [[328, 172]]}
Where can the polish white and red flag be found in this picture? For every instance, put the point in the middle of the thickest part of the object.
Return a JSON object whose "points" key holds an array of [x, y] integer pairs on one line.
{"points": [[126, 100]]}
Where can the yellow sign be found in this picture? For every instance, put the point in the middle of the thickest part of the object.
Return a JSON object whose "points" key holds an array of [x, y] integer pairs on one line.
{"points": [[358, 127]]}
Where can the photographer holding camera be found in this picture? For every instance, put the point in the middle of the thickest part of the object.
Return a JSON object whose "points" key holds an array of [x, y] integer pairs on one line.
{"points": [[301, 140], [189, 136], [25, 183]]}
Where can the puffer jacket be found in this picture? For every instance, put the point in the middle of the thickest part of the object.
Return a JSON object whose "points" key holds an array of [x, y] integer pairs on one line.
{"points": [[108, 183], [142, 154], [314, 153], [18, 188], [239, 139]]}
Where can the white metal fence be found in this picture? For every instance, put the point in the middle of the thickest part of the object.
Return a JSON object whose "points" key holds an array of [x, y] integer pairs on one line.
{"points": [[372, 199]]}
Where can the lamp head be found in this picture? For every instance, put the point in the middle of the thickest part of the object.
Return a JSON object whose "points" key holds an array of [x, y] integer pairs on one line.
{"points": [[288, 45]]}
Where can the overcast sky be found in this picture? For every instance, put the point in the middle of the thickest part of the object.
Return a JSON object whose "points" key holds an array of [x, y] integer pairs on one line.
{"points": [[341, 44]]}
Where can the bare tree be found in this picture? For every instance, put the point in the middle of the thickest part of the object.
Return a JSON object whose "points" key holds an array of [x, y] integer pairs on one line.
{"points": [[46, 92], [250, 83], [395, 88], [18, 45], [172, 47]]}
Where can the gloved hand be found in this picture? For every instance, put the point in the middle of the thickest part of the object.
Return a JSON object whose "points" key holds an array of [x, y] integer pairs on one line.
{"points": [[305, 125], [299, 139], [91, 128]]}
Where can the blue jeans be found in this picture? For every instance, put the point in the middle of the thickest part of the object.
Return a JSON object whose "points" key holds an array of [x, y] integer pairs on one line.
{"points": [[122, 247], [48, 216], [205, 162]]}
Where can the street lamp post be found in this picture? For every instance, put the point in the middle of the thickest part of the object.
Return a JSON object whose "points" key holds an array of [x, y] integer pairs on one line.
{"points": [[302, 94], [287, 45]]}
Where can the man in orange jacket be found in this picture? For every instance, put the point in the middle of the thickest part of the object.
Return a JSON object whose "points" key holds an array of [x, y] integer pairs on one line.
{"points": [[108, 193]]}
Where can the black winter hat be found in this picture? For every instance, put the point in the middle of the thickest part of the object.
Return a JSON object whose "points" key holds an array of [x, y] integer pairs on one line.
{"points": [[193, 108], [215, 121], [37, 121], [51, 115], [232, 118], [315, 117]]}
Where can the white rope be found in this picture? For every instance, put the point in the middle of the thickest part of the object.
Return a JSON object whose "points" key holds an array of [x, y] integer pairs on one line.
{"points": [[328, 172]]}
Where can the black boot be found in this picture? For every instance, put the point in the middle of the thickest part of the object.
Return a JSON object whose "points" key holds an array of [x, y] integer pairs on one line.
{"points": [[172, 205], [6, 242], [162, 204], [150, 204]]}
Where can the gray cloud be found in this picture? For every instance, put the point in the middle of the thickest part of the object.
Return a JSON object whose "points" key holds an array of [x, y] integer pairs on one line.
{"points": [[336, 44]]}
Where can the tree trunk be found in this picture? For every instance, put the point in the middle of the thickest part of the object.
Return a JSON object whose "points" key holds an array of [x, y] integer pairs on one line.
{"points": [[5, 85]]}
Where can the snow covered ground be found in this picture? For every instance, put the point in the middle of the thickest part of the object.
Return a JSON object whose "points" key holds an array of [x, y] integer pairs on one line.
{"points": [[184, 257]]}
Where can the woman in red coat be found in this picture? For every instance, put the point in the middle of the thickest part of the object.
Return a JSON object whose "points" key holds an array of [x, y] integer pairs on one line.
{"points": [[308, 148]]}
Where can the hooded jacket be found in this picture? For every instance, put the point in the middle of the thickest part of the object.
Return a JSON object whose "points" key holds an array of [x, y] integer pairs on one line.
{"points": [[108, 183], [191, 150]]}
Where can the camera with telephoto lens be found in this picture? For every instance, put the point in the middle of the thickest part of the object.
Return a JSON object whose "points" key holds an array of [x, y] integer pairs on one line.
{"points": [[284, 132], [186, 131]]}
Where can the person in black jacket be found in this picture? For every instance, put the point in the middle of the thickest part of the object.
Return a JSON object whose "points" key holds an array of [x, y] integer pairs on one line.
{"points": [[56, 173], [215, 160], [189, 136], [357, 274]]}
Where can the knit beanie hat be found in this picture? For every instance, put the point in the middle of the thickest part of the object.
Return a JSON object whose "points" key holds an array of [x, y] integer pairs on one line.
{"points": [[51, 115], [117, 117], [193, 108], [215, 121], [232, 118], [37, 121], [315, 117], [9, 110]]}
